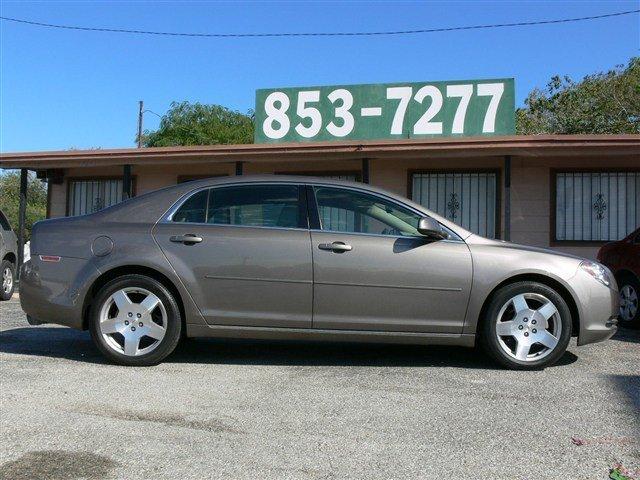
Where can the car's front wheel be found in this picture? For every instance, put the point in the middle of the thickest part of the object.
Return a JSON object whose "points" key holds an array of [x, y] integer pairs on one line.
{"points": [[527, 326], [8, 283], [135, 321]]}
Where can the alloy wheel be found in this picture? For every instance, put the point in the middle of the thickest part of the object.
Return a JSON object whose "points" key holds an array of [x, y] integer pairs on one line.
{"points": [[528, 327], [628, 303], [133, 321], [7, 280]]}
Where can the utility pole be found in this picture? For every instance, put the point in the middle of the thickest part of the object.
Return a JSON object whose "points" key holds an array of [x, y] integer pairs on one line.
{"points": [[140, 112]]}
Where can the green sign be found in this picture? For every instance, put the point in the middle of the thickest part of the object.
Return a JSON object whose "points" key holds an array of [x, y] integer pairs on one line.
{"points": [[385, 111]]}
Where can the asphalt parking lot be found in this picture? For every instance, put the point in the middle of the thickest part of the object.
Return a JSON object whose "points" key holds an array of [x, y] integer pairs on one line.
{"points": [[263, 410]]}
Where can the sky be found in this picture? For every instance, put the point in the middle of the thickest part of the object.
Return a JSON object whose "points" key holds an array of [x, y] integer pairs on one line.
{"points": [[62, 89]]}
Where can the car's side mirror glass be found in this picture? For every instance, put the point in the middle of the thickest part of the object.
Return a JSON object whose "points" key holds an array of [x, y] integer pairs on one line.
{"points": [[428, 227]]}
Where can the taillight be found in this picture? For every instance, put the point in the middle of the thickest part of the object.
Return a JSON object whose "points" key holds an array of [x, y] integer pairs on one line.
{"points": [[50, 258]]}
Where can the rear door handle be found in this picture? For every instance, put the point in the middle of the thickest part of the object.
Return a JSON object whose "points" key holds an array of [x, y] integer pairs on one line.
{"points": [[187, 239], [337, 247]]}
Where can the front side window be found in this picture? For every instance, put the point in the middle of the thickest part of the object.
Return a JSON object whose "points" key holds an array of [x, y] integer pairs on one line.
{"points": [[245, 205], [596, 206], [343, 210]]}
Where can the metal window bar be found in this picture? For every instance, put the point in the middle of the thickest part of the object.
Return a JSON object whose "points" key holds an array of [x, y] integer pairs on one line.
{"points": [[466, 198], [596, 206], [88, 196]]}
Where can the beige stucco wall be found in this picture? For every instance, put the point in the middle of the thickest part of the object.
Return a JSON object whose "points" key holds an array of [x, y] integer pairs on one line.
{"points": [[530, 183]]}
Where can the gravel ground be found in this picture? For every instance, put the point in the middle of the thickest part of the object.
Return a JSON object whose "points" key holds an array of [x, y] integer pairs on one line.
{"points": [[264, 410]]}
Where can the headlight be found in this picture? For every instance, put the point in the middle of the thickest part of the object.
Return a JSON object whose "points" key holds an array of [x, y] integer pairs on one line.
{"points": [[597, 271]]}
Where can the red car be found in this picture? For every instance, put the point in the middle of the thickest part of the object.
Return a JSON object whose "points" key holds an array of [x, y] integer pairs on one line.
{"points": [[623, 259]]}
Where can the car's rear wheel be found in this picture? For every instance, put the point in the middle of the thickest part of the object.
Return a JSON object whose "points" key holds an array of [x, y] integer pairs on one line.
{"points": [[527, 326], [8, 280], [135, 321], [629, 289]]}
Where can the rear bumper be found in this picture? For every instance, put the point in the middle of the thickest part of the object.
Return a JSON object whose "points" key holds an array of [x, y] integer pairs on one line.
{"points": [[54, 292]]}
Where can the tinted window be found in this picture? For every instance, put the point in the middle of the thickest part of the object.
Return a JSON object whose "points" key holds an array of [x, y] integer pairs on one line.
{"points": [[194, 209], [257, 206], [4, 223], [350, 211]]}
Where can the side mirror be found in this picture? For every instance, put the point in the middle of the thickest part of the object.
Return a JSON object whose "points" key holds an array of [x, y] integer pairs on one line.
{"points": [[432, 229]]}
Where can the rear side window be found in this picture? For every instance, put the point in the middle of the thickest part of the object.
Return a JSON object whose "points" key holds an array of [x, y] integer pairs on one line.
{"points": [[246, 205], [257, 206], [194, 210]]}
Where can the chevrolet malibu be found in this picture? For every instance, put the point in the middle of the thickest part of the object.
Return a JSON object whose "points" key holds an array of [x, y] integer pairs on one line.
{"points": [[276, 257]]}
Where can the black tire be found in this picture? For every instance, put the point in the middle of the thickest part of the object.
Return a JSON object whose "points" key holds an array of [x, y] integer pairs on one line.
{"points": [[173, 328], [487, 331], [630, 281], [6, 295]]}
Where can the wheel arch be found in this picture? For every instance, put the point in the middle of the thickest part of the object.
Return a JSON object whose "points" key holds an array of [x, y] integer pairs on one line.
{"points": [[120, 271], [626, 273], [545, 280], [11, 257]]}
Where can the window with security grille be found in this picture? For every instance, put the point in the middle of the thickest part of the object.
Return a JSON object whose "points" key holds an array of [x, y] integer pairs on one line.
{"points": [[466, 198], [88, 196], [596, 206]]}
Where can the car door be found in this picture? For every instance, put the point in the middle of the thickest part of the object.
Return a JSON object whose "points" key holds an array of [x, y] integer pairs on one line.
{"points": [[374, 271], [244, 254]]}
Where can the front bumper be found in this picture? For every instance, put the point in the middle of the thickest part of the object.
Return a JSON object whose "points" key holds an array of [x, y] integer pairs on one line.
{"points": [[598, 306]]}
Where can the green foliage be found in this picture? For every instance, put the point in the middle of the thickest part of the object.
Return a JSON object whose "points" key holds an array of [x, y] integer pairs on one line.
{"points": [[196, 124], [605, 103], [10, 199]]}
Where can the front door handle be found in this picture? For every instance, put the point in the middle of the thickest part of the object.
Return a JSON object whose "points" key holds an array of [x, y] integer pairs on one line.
{"points": [[187, 239], [337, 247]]}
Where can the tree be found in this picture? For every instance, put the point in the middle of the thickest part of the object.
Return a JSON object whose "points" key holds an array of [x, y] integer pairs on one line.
{"points": [[10, 199], [604, 102], [196, 124]]}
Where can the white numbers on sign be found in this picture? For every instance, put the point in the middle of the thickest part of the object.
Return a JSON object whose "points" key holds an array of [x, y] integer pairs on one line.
{"points": [[464, 92], [342, 112], [277, 123], [309, 112], [404, 95], [276, 114], [424, 125], [495, 91]]}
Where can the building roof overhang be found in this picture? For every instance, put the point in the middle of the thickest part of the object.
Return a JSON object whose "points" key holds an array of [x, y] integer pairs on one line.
{"points": [[460, 147]]}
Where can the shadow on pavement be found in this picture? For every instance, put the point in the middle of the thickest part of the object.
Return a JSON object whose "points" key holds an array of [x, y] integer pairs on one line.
{"points": [[629, 386], [77, 346], [627, 335]]}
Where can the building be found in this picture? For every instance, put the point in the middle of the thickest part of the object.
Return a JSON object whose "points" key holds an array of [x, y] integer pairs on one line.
{"points": [[567, 192]]}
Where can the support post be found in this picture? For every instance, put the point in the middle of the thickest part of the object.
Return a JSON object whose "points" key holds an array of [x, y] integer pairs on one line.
{"points": [[239, 168], [127, 191], [22, 210], [507, 197], [126, 182], [365, 170]]}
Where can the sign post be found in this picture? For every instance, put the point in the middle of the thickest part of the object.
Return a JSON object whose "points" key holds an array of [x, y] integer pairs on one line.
{"points": [[385, 111]]}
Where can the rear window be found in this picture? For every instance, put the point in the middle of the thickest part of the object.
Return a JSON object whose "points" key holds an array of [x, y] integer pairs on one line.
{"points": [[4, 223]]}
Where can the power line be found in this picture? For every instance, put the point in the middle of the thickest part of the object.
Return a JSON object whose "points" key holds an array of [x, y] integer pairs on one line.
{"points": [[320, 34]]}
